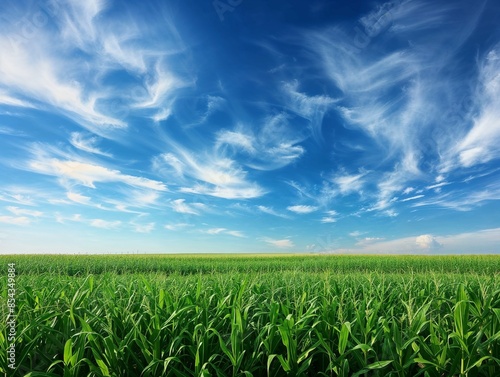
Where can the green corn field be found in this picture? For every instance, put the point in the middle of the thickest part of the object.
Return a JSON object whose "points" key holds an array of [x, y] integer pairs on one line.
{"points": [[275, 315]]}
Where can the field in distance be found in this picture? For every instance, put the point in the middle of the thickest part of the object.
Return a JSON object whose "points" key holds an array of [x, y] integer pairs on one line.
{"points": [[253, 315]]}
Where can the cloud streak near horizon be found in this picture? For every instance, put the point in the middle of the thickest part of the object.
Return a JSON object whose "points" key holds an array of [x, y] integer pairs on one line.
{"points": [[158, 126]]}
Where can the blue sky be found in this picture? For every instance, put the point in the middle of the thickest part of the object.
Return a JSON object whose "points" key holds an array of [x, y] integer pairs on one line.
{"points": [[250, 126]]}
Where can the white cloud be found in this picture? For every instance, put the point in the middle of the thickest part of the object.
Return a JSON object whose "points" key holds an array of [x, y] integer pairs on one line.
{"points": [[390, 213], [87, 174], [253, 191], [392, 91], [283, 244], [271, 148], [213, 175], [158, 89], [180, 206], [368, 241], [143, 228], [104, 224], [302, 209], [176, 227], [480, 144], [312, 108], [41, 79], [77, 218], [271, 211], [11, 132], [240, 140], [477, 242], [20, 220], [6, 99], [79, 141], [213, 103], [408, 190], [398, 246], [234, 233], [25, 195], [412, 198], [427, 241], [437, 185], [462, 200], [328, 220], [216, 230], [349, 183], [393, 181], [220, 169], [22, 211], [64, 65], [78, 198]]}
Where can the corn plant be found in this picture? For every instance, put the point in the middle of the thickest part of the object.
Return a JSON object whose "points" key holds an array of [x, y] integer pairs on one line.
{"points": [[236, 316]]}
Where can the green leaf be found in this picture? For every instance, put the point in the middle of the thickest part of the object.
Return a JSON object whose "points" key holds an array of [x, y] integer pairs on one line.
{"points": [[378, 364], [68, 351], [344, 335]]}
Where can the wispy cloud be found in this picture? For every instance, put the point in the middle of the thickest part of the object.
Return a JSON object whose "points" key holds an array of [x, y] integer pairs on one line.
{"points": [[437, 185], [78, 140], [271, 211], [104, 224], [143, 228], [78, 198], [208, 174], [177, 227], [24, 212], [282, 244], [272, 147], [19, 220], [76, 50], [302, 209], [312, 108], [479, 144], [461, 200], [347, 184], [328, 220], [215, 230], [6, 99], [408, 190], [20, 195], [87, 174], [234, 233], [392, 94], [41, 80], [331, 217], [180, 206], [369, 240], [10, 131], [412, 198]]}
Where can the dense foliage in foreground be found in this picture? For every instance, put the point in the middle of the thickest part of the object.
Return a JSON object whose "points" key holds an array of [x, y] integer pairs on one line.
{"points": [[250, 316]]}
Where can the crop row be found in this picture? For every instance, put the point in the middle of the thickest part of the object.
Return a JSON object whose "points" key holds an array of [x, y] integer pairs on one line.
{"points": [[82, 265], [260, 324]]}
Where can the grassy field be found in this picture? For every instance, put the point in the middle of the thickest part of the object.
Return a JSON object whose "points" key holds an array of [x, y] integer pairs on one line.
{"points": [[244, 315]]}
